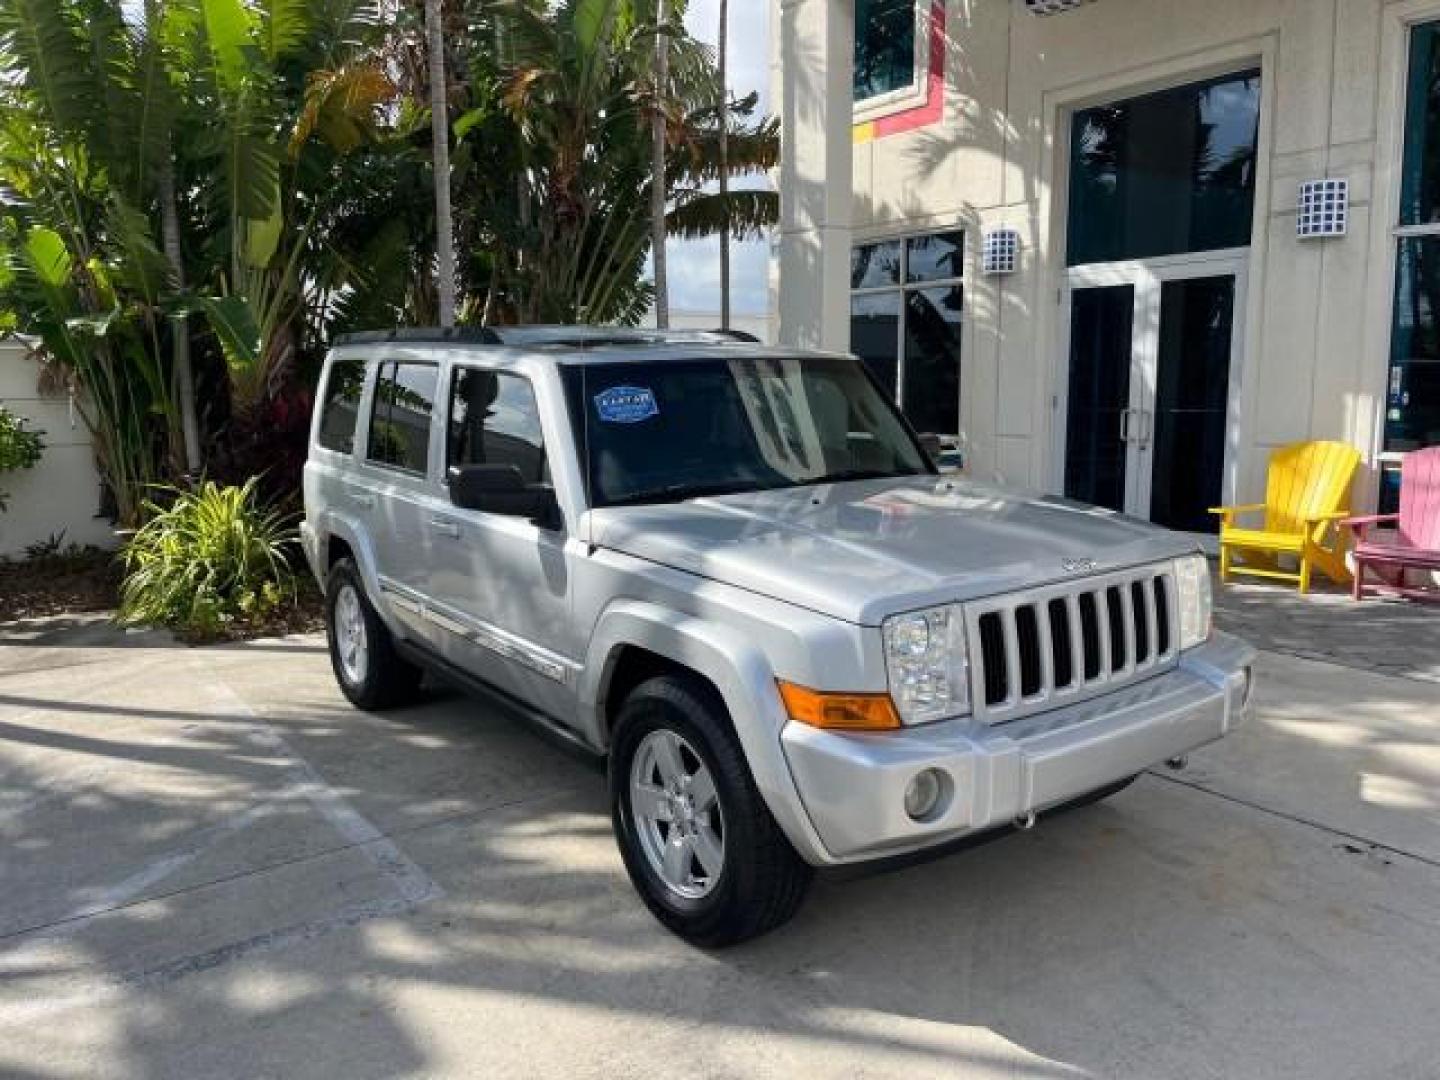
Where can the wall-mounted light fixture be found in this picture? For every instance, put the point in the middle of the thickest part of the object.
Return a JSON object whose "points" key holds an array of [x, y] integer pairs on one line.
{"points": [[1000, 251], [1323, 209]]}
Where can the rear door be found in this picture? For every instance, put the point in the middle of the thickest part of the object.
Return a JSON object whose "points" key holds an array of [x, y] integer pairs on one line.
{"points": [[399, 473]]}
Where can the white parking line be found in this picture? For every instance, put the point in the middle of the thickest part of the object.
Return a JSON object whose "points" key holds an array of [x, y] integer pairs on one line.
{"points": [[411, 884]]}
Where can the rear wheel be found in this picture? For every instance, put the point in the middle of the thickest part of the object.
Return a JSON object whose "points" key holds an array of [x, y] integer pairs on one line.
{"points": [[700, 845], [371, 673]]}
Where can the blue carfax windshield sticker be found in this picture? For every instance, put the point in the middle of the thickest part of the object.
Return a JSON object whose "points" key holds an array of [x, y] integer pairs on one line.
{"points": [[626, 405]]}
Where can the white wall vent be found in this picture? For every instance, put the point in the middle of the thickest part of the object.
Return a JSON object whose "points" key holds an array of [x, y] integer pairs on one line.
{"points": [[1000, 251], [1324, 209]]}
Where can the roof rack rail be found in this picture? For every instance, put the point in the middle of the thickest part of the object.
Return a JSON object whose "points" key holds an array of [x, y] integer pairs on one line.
{"points": [[475, 335]]}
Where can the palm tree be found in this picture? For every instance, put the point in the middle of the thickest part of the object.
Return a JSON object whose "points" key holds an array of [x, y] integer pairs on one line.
{"points": [[657, 167], [722, 49], [182, 370], [440, 133]]}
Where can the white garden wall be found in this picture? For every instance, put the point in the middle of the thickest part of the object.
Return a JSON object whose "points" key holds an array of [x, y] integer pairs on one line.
{"points": [[62, 492]]}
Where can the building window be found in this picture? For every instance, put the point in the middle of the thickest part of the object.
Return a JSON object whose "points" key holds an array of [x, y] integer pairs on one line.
{"points": [[885, 32], [906, 308], [1166, 173], [1412, 396]]}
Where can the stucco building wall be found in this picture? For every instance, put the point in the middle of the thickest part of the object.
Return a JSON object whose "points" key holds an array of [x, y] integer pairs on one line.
{"points": [[61, 494], [1315, 314]]}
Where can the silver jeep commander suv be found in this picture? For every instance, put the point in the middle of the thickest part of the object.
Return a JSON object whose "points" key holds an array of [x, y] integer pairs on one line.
{"points": [[736, 572]]}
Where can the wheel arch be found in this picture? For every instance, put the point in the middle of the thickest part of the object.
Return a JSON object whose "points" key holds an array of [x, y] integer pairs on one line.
{"points": [[635, 640]]}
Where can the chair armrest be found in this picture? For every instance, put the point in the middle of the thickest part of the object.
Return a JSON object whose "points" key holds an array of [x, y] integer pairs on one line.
{"points": [[1319, 523], [1361, 525], [1227, 513]]}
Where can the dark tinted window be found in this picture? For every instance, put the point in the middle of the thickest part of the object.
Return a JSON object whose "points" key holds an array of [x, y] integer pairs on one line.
{"points": [[1412, 393], [658, 432], [931, 397], [400, 420], [934, 257], [341, 406], [1420, 178], [495, 420], [875, 265], [1166, 173], [875, 334], [884, 47]]}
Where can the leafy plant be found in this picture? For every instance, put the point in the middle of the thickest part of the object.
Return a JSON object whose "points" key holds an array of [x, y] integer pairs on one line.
{"points": [[213, 556], [20, 448], [53, 546]]}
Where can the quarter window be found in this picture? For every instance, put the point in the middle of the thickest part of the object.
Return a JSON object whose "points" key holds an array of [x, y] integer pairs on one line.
{"points": [[906, 308], [400, 418], [884, 47], [341, 406], [495, 420]]}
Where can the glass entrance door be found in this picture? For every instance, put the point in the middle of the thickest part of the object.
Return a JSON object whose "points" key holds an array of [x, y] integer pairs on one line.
{"points": [[1150, 403]]}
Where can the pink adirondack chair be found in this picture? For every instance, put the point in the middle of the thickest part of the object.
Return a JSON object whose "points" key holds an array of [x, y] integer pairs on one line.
{"points": [[1416, 545]]}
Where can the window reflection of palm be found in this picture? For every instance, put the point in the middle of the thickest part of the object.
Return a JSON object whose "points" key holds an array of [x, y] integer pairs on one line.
{"points": [[489, 431]]}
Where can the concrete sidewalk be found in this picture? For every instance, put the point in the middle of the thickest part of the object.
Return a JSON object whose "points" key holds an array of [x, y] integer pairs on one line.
{"points": [[211, 866]]}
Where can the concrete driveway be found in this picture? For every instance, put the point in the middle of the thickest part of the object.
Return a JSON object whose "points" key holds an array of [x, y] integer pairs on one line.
{"points": [[211, 866]]}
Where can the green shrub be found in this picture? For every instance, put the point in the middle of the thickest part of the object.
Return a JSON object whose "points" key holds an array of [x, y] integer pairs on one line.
{"points": [[212, 557], [20, 448]]}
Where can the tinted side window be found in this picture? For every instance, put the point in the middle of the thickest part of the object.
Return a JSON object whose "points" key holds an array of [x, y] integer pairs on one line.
{"points": [[495, 420], [400, 420], [340, 409]]}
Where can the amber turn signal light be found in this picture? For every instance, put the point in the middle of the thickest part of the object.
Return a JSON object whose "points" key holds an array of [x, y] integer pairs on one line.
{"points": [[839, 712]]}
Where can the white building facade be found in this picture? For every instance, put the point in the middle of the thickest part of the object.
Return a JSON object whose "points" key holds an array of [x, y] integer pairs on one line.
{"points": [[1158, 313]]}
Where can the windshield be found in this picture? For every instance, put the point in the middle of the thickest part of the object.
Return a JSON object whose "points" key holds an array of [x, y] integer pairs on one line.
{"points": [[668, 430]]}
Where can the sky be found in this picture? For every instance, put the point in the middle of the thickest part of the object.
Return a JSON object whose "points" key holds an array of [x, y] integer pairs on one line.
{"points": [[694, 265]]}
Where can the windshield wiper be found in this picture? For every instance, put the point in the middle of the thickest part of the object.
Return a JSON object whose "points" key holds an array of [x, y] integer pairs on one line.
{"points": [[859, 474], [683, 492]]}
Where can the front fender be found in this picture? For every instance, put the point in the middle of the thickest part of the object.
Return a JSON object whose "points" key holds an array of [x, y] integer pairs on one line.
{"points": [[735, 667]]}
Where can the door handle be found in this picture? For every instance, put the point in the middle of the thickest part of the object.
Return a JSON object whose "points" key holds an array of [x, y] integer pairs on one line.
{"points": [[1125, 417], [1147, 427], [447, 526], [361, 500]]}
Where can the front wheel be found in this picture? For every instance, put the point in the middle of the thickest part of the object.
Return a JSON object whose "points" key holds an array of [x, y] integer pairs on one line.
{"points": [[698, 841]]}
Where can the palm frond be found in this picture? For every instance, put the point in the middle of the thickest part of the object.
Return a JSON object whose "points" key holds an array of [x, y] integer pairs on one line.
{"points": [[751, 214]]}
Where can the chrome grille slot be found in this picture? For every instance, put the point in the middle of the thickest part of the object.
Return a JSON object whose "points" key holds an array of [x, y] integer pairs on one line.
{"points": [[1069, 641]]}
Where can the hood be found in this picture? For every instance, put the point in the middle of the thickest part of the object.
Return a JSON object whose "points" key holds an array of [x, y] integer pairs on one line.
{"points": [[863, 550]]}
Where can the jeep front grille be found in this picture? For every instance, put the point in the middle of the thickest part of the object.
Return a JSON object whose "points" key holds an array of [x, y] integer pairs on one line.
{"points": [[1069, 641]]}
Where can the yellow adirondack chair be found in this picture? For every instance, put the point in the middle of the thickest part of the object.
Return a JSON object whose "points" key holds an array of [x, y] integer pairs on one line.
{"points": [[1306, 493]]}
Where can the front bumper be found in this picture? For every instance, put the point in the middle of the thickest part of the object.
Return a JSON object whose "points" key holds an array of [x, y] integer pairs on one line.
{"points": [[853, 786]]}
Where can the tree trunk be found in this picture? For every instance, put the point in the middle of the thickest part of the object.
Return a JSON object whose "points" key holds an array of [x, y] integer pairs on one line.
{"points": [[440, 135], [657, 170], [181, 370], [722, 50]]}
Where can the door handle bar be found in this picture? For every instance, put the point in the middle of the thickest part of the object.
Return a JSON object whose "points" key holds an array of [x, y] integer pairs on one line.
{"points": [[445, 525]]}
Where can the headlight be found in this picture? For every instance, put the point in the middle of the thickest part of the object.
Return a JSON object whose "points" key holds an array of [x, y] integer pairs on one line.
{"points": [[1192, 579], [927, 664]]}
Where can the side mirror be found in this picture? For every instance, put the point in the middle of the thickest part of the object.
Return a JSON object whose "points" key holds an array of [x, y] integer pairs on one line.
{"points": [[501, 489], [930, 443]]}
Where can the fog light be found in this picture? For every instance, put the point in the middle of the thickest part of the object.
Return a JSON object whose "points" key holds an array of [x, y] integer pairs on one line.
{"points": [[923, 794]]}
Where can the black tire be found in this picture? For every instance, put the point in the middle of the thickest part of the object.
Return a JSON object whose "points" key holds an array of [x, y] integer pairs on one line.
{"points": [[763, 881], [387, 679]]}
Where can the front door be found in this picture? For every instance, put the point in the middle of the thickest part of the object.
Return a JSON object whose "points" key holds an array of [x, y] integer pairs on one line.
{"points": [[1149, 401], [498, 586]]}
